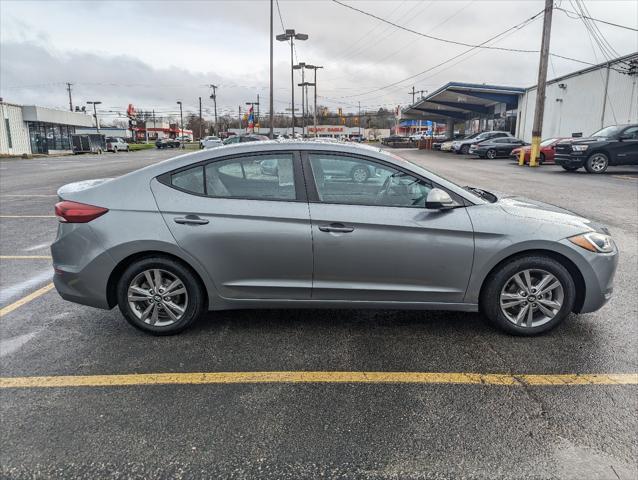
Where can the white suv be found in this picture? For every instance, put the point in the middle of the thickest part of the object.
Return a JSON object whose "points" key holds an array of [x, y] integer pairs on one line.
{"points": [[210, 142], [116, 144]]}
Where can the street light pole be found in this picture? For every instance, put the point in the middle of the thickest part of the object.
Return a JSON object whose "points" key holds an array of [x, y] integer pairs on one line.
{"points": [[272, 101], [181, 120], [97, 123], [291, 36], [315, 68], [302, 66]]}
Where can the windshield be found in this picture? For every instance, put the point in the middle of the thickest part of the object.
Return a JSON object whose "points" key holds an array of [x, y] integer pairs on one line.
{"points": [[607, 131], [548, 142]]}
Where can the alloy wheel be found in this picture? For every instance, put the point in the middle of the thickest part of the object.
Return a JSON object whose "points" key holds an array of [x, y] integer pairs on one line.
{"points": [[491, 154], [157, 297], [598, 163], [531, 298], [359, 174]]}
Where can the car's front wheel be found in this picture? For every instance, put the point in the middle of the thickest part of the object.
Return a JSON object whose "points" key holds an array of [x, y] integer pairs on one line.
{"points": [[491, 154], [528, 295], [160, 296], [597, 163]]}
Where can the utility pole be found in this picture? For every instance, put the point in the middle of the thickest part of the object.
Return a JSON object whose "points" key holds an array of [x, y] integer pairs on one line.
{"points": [[181, 121], [214, 97], [68, 87], [200, 118], [413, 93], [272, 100], [359, 119], [155, 127], [240, 127], [257, 118], [537, 128]]}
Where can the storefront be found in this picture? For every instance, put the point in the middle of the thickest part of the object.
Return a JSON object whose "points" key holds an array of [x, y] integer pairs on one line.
{"points": [[50, 130]]}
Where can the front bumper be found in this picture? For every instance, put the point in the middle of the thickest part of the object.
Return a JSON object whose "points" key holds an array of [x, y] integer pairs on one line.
{"points": [[572, 160], [597, 270]]}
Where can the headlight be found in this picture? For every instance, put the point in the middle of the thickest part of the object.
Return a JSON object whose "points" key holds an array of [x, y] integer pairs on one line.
{"points": [[594, 242], [579, 148]]}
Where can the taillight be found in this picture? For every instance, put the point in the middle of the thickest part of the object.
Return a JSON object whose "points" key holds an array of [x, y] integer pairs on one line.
{"points": [[75, 212]]}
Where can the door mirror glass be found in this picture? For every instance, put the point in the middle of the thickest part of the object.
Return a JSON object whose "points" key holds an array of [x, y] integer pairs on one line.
{"points": [[438, 199]]}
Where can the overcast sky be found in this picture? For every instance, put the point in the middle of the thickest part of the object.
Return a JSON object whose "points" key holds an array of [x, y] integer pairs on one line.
{"points": [[152, 54]]}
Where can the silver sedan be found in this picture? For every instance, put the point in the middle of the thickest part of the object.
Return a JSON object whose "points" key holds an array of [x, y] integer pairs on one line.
{"points": [[216, 230]]}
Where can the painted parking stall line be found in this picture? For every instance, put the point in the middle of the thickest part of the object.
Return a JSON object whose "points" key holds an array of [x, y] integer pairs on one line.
{"points": [[294, 377], [24, 300]]}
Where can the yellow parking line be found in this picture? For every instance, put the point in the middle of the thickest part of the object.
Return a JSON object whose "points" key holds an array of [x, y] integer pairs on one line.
{"points": [[32, 296], [625, 177], [319, 377], [27, 216], [24, 257]]}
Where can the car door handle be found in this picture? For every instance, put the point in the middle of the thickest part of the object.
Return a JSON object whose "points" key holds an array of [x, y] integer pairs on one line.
{"points": [[190, 220], [336, 228]]}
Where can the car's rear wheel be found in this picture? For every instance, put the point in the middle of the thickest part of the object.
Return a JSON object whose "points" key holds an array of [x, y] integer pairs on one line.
{"points": [[528, 295], [597, 163], [541, 159], [160, 296], [359, 174], [491, 154]]}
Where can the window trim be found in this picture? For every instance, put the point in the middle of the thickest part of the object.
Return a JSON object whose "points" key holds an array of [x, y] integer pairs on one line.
{"points": [[313, 194], [297, 175]]}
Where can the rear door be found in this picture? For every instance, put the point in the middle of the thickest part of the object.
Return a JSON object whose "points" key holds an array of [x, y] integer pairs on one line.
{"points": [[375, 241], [625, 151], [248, 226]]}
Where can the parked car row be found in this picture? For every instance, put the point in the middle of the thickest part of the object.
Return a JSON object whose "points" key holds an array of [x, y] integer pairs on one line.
{"points": [[613, 145]]}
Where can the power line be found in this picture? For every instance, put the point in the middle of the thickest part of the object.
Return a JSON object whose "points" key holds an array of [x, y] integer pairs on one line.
{"points": [[432, 37], [515, 27], [567, 12]]}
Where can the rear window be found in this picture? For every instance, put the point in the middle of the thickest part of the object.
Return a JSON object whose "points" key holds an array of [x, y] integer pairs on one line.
{"points": [[191, 180]]}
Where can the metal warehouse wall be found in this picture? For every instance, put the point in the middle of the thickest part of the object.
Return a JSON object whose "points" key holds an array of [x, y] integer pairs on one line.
{"points": [[19, 132], [580, 104]]}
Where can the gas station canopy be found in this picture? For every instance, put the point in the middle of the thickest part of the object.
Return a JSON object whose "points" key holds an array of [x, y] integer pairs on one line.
{"points": [[458, 102]]}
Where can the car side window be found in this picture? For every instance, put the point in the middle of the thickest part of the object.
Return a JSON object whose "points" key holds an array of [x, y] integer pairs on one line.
{"points": [[355, 181], [631, 132], [191, 180], [265, 177]]}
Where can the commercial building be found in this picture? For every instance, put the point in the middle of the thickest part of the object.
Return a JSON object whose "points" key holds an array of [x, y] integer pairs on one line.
{"points": [[27, 129], [584, 101], [576, 104]]}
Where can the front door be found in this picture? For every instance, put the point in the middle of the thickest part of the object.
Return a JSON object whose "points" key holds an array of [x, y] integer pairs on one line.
{"points": [[375, 241], [625, 151], [245, 218]]}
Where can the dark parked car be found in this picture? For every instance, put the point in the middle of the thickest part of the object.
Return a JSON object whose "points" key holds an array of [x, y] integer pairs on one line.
{"points": [[167, 143], [396, 141], [614, 145], [495, 147], [245, 137], [463, 146]]}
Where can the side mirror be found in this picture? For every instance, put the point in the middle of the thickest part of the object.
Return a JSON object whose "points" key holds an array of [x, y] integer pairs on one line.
{"points": [[439, 200]]}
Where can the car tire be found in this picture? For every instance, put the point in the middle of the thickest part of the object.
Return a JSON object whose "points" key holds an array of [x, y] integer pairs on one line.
{"points": [[465, 149], [501, 293], [359, 174], [114, 149], [157, 320], [541, 158], [597, 163], [491, 154]]}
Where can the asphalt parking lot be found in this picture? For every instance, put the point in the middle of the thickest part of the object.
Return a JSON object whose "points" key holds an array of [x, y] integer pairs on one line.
{"points": [[475, 427]]}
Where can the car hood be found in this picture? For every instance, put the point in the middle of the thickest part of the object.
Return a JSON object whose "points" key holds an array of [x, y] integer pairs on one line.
{"points": [[546, 212]]}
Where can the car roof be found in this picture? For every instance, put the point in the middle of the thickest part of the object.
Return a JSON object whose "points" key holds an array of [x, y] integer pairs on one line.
{"points": [[267, 146]]}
